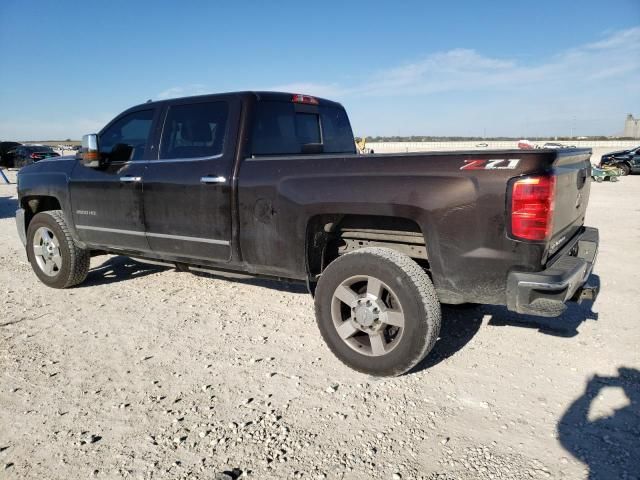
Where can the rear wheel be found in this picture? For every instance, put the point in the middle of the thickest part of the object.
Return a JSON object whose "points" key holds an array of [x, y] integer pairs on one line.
{"points": [[377, 311], [54, 257]]}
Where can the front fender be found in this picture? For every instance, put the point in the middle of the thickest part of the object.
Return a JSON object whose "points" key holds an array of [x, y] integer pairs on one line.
{"points": [[46, 179]]}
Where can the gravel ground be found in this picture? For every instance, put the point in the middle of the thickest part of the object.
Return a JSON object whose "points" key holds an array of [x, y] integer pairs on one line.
{"points": [[148, 373]]}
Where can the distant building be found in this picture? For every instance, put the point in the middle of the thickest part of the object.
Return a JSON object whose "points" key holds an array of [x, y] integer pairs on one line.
{"points": [[631, 127]]}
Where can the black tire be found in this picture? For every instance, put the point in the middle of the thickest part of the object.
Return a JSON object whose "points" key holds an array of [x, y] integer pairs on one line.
{"points": [[74, 260], [416, 297], [626, 169]]}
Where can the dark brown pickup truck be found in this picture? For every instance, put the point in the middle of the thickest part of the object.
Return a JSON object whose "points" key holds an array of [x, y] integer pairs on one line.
{"points": [[270, 184]]}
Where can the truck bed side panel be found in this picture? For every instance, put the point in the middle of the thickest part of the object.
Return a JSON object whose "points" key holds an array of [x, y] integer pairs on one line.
{"points": [[462, 213]]}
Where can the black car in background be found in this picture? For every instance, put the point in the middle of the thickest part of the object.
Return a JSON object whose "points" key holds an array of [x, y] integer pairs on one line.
{"points": [[6, 153], [27, 154], [626, 160]]}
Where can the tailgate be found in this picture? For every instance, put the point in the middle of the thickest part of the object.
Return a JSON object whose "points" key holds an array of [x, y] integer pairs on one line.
{"points": [[573, 182]]}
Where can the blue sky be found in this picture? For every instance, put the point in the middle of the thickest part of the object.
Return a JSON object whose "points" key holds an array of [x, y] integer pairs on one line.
{"points": [[400, 68]]}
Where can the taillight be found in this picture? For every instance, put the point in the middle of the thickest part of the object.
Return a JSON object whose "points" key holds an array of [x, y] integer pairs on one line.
{"points": [[299, 98], [532, 207]]}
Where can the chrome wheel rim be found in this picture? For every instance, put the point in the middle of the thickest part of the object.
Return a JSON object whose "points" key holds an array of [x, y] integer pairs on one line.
{"points": [[46, 251], [367, 315]]}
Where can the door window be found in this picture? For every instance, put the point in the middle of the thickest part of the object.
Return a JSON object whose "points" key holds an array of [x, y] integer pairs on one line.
{"points": [[126, 139], [194, 130]]}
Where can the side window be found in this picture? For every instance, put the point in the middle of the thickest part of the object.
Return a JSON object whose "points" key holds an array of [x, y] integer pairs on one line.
{"points": [[194, 130], [126, 139]]}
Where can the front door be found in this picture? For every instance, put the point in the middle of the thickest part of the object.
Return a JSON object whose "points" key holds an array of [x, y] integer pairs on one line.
{"points": [[107, 203], [187, 189]]}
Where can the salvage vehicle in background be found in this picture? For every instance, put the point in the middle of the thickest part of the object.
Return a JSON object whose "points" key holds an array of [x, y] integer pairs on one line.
{"points": [[607, 172], [270, 184], [526, 145], [27, 154], [557, 145], [7, 151], [626, 160]]}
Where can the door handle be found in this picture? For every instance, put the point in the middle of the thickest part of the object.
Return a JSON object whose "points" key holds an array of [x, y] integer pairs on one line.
{"points": [[130, 179], [213, 179]]}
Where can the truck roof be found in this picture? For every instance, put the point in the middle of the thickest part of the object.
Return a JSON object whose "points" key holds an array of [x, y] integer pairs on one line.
{"points": [[259, 95]]}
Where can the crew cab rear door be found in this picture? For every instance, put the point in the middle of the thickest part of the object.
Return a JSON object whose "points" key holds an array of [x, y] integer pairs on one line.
{"points": [[187, 188]]}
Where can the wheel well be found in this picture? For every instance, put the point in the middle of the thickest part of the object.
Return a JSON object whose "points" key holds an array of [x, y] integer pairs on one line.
{"points": [[34, 205], [329, 236]]}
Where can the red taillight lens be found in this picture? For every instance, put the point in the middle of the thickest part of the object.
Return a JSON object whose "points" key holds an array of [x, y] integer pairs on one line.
{"points": [[532, 208], [299, 98]]}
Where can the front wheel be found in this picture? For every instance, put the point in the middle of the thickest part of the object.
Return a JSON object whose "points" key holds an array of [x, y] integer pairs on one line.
{"points": [[56, 260], [626, 169], [378, 311]]}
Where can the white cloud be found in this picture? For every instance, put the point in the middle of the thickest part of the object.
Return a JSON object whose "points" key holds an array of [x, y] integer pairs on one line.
{"points": [[183, 91], [580, 69], [330, 90], [468, 70]]}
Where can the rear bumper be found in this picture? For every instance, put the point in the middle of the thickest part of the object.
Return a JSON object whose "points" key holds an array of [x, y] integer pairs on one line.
{"points": [[22, 233], [546, 293]]}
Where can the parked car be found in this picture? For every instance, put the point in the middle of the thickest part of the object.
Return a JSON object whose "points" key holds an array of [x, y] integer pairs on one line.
{"points": [[7, 150], [526, 145], [270, 184], [554, 145], [26, 154], [608, 172], [626, 160]]}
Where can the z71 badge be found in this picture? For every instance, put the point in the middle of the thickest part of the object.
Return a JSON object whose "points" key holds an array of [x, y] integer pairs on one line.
{"points": [[491, 164]]}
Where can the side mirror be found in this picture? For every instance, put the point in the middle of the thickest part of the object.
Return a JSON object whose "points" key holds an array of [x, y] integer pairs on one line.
{"points": [[89, 154]]}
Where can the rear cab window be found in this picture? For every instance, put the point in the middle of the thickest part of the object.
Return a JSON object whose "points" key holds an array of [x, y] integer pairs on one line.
{"points": [[288, 128]]}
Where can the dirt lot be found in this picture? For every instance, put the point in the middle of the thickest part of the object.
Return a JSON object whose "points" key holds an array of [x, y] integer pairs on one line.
{"points": [[144, 372]]}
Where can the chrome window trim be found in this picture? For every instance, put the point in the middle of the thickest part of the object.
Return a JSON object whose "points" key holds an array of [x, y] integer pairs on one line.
{"points": [[311, 156], [177, 160]]}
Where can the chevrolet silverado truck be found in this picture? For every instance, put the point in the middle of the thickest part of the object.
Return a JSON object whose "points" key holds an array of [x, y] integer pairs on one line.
{"points": [[270, 184]]}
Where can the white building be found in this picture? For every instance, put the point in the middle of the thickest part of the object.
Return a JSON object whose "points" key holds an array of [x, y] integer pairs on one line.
{"points": [[631, 127]]}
